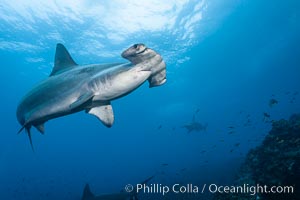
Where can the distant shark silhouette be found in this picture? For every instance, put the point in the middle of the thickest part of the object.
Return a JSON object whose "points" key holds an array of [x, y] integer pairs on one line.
{"points": [[72, 88], [195, 126], [88, 195]]}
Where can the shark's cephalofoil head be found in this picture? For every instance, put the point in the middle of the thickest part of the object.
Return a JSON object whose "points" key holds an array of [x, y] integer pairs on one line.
{"points": [[138, 53]]}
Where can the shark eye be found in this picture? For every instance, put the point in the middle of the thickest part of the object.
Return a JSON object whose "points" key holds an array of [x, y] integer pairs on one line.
{"points": [[135, 46]]}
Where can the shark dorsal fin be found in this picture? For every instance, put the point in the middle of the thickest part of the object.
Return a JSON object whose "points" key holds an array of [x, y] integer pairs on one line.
{"points": [[87, 194], [63, 59]]}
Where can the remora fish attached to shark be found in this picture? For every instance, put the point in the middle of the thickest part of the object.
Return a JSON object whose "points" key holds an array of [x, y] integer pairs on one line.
{"points": [[72, 88]]}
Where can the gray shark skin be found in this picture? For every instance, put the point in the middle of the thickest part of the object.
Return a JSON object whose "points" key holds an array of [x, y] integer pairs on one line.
{"points": [[88, 195], [73, 88]]}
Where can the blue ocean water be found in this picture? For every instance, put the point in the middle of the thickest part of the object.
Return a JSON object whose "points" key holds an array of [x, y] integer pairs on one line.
{"points": [[225, 61]]}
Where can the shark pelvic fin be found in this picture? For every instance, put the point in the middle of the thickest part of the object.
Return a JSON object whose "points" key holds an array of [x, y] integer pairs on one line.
{"points": [[63, 60], [104, 113], [87, 194], [40, 128]]}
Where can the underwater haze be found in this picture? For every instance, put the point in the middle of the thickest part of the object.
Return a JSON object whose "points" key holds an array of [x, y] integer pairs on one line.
{"points": [[233, 67]]}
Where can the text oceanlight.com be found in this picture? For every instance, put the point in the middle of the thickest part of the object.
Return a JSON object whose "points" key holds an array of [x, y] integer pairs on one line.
{"points": [[211, 188]]}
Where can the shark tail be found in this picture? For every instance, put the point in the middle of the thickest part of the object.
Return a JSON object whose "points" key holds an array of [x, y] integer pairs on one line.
{"points": [[87, 194], [27, 128]]}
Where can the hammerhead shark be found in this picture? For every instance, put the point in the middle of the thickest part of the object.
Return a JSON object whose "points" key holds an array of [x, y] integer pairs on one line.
{"points": [[72, 88], [195, 126]]}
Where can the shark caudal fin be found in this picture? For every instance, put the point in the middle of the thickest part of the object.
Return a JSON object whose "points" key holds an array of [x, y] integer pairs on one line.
{"points": [[87, 194], [27, 129]]}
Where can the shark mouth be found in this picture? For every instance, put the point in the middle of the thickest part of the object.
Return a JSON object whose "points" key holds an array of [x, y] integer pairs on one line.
{"points": [[134, 50], [141, 51]]}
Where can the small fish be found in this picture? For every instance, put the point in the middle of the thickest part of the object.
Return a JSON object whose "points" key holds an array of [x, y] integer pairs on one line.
{"points": [[231, 150], [230, 132], [203, 151], [222, 140], [231, 127], [197, 110], [165, 164], [281, 141], [273, 102], [296, 93], [159, 127], [237, 144], [266, 117], [297, 140]]}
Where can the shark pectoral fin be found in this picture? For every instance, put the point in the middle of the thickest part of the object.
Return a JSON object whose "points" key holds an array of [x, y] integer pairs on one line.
{"points": [[81, 100], [104, 113], [40, 128], [148, 179]]}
